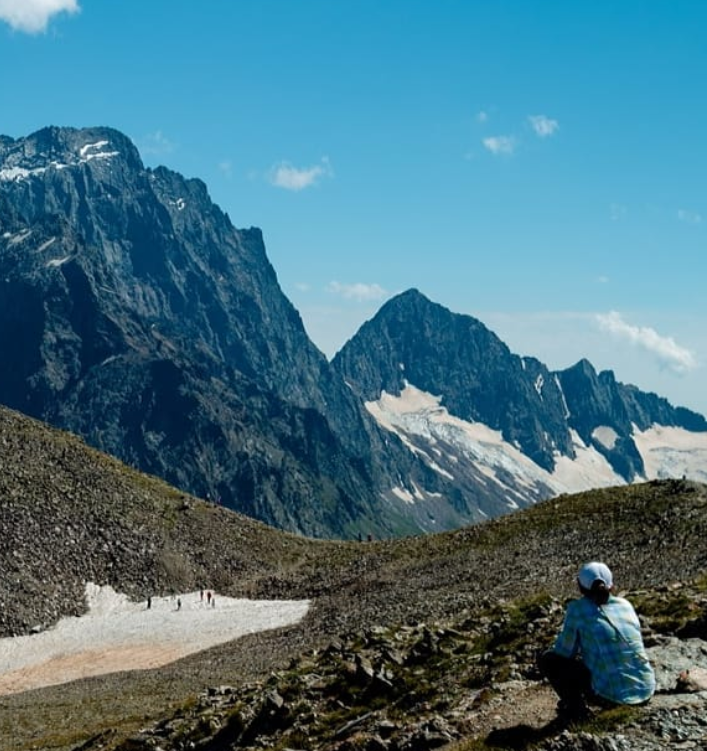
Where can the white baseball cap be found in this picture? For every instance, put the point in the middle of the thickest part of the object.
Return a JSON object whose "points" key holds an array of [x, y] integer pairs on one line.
{"points": [[595, 571]]}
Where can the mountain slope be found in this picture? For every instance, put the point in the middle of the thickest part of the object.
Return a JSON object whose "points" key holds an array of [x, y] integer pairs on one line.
{"points": [[70, 514], [454, 391], [135, 315]]}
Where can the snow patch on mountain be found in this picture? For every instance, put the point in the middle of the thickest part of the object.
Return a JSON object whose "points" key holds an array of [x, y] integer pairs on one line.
{"points": [[589, 469], [606, 436], [17, 167], [672, 452], [444, 440]]}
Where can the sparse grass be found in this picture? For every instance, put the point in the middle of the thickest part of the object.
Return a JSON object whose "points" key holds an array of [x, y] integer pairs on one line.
{"points": [[666, 611], [608, 720], [354, 586]]}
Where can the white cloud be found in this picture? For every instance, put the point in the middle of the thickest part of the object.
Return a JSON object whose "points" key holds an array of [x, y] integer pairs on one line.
{"points": [[669, 353], [359, 292], [689, 217], [286, 176], [500, 144], [482, 117], [32, 16], [543, 125]]}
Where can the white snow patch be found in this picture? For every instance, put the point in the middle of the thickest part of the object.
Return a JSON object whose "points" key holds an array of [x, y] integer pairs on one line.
{"points": [[672, 452], [10, 174], [20, 237], [564, 401], [404, 495], [606, 436], [91, 147], [100, 155], [86, 153], [91, 151], [46, 244], [426, 427], [15, 174], [416, 412], [118, 635], [56, 262], [588, 470], [539, 383]]}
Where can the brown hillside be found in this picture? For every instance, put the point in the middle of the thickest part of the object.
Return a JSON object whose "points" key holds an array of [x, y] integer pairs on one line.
{"points": [[69, 515]]}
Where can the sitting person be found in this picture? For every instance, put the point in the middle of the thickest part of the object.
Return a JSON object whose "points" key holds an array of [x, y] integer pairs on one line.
{"points": [[599, 652]]}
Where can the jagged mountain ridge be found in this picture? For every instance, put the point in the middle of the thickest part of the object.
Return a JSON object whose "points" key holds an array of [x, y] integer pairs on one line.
{"points": [[135, 315], [418, 348]]}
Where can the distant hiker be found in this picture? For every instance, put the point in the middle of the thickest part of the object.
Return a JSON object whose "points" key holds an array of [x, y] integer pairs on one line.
{"points": [[599, 652], [201, 595], [213, 601], [149, 602], [179, 603], [208, 597]]}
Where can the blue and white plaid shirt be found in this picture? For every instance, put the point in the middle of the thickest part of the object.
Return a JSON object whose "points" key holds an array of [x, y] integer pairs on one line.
{"points": [[608, 640]]}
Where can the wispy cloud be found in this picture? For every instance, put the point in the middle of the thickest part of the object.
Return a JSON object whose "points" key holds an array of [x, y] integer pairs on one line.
{"points": [[285, 175], [543, 126], [482, 117], [668, 352], [155, 143], [689, 217], [32, 16], [499, 145], [359, 292], [225, 168]]}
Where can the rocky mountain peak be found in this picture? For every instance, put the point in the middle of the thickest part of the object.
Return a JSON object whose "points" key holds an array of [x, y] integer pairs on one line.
{"points": [[55, 149], [134, 314]]}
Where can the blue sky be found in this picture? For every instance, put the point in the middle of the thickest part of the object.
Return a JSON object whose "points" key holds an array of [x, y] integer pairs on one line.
{"points": [[539, 165]]}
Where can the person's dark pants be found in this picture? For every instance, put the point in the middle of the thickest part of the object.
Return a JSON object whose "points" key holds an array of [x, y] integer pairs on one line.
{"points": [[569, 677]]}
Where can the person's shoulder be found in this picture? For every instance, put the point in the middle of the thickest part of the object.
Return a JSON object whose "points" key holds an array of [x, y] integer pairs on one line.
{"points": [[619, 603], [578, 605]]}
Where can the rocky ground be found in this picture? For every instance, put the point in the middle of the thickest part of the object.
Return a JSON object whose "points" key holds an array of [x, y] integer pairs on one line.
{"points": [[409, 644], [464, 684]]}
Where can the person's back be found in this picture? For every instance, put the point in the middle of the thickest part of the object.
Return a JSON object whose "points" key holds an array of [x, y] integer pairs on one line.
{"points": [[607, 637], [599, 649]]}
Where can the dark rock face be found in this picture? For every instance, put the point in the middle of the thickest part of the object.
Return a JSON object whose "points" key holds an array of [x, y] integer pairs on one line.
{"points": [[134, 314], [480, 380], [596, 400], [419, 342]]}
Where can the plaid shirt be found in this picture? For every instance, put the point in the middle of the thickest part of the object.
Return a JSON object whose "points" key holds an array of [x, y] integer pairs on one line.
{"points": [[608, 640]]}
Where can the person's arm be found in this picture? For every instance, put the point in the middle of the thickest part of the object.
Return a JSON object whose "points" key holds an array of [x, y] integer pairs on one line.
{"points": [[567, 643]]}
